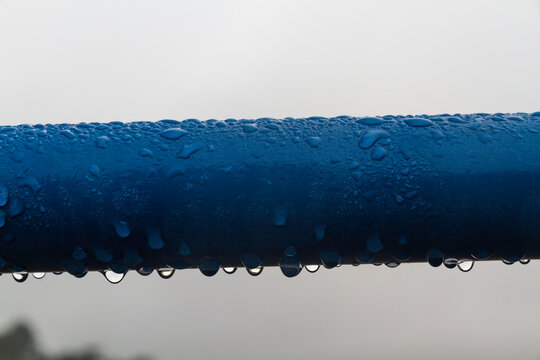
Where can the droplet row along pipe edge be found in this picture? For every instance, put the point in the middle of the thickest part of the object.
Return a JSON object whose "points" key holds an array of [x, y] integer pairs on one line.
{"points": [[269, 192]]}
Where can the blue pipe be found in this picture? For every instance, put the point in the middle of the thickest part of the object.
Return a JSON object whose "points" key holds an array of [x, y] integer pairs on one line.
{"points": [[269, 192]]}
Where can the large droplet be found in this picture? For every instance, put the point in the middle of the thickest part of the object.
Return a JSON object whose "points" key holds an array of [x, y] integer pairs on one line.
{"points": [[251, 260], [122, 229], [113, 277], [20, 277], [145, 271], [374, 243], [450, 263], [154, 239], [465, 265], [313, 141], [312, 268], [290, 266], [229, 270], [369, 121], [525, 261], [371, 137], [184, 249], [209, 267], [256, 271], [330, 258], [435, 257], [38, 275], [173, 133], [166, 273], [418, 122]]}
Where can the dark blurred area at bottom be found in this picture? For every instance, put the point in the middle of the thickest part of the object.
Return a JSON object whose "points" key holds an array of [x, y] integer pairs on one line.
{"points": [[19, 343]]}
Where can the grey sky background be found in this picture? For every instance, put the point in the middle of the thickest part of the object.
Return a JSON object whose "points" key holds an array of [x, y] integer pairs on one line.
{"points": [[74, 61]]}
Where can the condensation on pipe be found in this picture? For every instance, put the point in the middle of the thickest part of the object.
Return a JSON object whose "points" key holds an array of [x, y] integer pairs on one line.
{"points": [[286, 192]]}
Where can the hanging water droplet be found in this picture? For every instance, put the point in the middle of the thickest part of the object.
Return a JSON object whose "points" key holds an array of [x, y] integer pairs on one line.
{"points": [[209, 267], [290, 266], [38, 275], [229, 270], [145, 271], [256, 271], [525, 261], [450, 263], [435, 257], [507, 262], [465, 265], [330, 258], [251, 260], [312, 268], [364, 256], [113, 277], [392, 264], [20, 277], [166, 273], [58, 272]]}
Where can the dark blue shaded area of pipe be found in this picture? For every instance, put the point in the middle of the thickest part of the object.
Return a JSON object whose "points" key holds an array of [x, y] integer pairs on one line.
{"points": [[269, 192]]}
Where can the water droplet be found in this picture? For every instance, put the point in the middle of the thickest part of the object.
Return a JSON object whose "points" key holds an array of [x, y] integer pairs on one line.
{"points": [[374, 243], [507, 262], [81, 275], [184, 249], [94, 170], [74, 267], [154, 240], [4, 194], [251, 260], [256, 271], [118, 267], [525, 261], [189, 150], [68, 134], [100, 253], [280, 215], [330, 258], [312, 268], [78, 253], [290, 266], [369, 121], [418, 122], [101, 142], [173, 133], [465, 265], [371, 137], [38, 275], [392, 264], [229, 270], [313, 141], [113, 277], [249, 128], [144, 152], [378, 153], [166, 273], [58, 272], [364, 256], [450, 263], [145, 271], [122, 229], [290, 251], [20, 277], [435, 257], [209, 267], [320, 232], [481, 253], [15, 207]]}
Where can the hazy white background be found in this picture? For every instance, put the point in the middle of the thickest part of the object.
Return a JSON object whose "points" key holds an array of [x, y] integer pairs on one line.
{"points": [[73, 61]]}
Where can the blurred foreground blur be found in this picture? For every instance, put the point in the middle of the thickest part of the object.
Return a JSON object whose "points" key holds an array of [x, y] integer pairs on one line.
{"points": [[18, 343]]}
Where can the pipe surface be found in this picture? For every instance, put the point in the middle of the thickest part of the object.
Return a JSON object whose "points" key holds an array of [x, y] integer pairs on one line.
{"points": [[268, 192]]}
